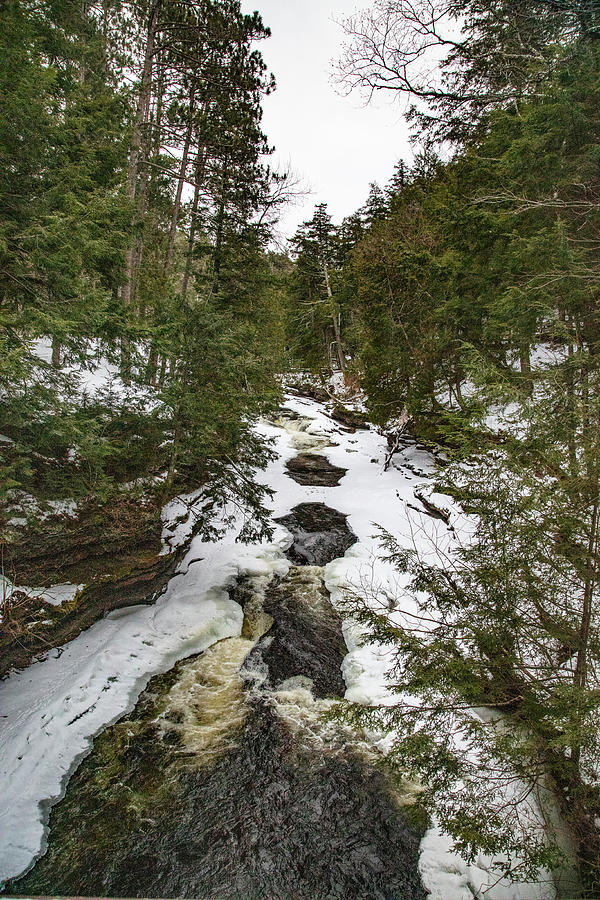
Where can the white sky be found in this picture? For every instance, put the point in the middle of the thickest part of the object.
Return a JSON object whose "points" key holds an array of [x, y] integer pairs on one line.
{"points": [[337, 145]]}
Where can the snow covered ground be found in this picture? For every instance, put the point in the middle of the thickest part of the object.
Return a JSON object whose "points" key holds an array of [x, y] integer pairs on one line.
{"points": [[50, 712]]}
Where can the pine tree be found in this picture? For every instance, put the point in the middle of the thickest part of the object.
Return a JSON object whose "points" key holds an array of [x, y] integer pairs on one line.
{"points": [[317, 315], [101, 250], [376, 207]]}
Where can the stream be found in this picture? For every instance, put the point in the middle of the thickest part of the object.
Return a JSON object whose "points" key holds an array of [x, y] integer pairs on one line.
{"points": [[218, 769]]}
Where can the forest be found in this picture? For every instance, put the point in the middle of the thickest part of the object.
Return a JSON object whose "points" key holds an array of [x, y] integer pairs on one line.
{"points": [[149, 328]]}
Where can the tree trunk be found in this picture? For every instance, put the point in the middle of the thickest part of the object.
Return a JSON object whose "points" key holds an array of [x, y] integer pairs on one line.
{"points": [[525, 365], [180, 182], [158, 114], [56, 359], [200, 163], [163, 371], [135, 155], [172, 470], [336, 321], [152, 366], [218, 257]]}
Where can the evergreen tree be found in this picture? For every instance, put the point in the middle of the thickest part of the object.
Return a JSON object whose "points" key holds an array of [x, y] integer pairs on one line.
{"points": [[112, 111], [375, 208], [316, 317]]}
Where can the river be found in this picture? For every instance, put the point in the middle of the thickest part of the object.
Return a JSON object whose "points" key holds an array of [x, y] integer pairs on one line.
{"points": [[189, 749]]}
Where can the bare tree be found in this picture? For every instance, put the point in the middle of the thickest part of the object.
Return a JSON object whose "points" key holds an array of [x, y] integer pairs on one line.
{"points": [[456, 59]]}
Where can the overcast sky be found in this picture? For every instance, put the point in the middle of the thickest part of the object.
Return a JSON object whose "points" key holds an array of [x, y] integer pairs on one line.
{"points": [[335, 144]]}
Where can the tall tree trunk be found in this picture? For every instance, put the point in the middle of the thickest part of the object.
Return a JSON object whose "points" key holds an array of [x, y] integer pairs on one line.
{"points": [[156, 142], [132, 256], [135, 156], [584, 822], [218, 256], [580, 677], [180, 183], [82, 65], [336, 321], [56, 359], [152, 365], [200, 164], [525, 366], [572, 438], [174, 458]]}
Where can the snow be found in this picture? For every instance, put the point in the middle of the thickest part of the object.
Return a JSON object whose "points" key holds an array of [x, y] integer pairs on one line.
{"points": [[6, 588], [98, 376], [56, 595], [447, 877], [178, 520], [370, 496], [22, 502], [54, 708], [63, 508], [42, 348]]}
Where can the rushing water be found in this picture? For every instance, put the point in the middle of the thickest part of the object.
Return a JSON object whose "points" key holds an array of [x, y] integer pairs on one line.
{"points": [[231, 779]]}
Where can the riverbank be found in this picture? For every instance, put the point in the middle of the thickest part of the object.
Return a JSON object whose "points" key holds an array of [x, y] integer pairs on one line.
{"points": [[56, 708]]}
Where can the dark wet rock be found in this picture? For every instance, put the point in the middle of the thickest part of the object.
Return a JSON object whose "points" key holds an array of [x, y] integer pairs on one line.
{"points": [[320, 534], [312, 391], [306, 636], [289, 415], [314, 469], [349, 417], [101, 541]]}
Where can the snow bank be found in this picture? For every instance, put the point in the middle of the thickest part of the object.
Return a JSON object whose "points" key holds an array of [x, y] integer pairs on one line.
{"points": [[370, 496], [448, 877]]}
